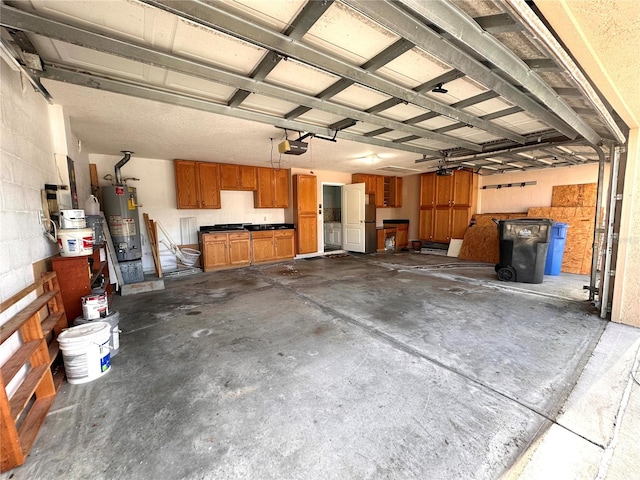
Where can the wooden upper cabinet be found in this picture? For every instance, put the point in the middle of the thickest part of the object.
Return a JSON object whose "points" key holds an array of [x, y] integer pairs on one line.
{"points": [[387, 191], [427, 190], [197, 184], [305, 193], [273, 188], [444, 189], [209, 185], [463, 188], [238, 177]]}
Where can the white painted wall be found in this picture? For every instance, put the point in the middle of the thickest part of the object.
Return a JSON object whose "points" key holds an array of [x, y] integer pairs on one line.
{"points": [[26, 164], [157, 196], [520, 199]]}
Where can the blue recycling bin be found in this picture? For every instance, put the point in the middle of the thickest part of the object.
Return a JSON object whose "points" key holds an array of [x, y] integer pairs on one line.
{"points": [[555, 252]]}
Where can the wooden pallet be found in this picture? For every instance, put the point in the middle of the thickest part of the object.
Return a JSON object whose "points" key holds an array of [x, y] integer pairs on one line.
{"points": [[37, 324]]}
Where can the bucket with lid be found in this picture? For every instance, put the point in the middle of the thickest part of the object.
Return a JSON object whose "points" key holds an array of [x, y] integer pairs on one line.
{"points": [[112, 319], [85, 351], [72, 219], [75, 242], [95, 306]]}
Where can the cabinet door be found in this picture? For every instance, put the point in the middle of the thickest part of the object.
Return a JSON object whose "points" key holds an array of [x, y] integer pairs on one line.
{"points": [[463, 188], [216, 252], [460, 218], [263, 197], [444, 190], [395, 192], [426, 224], [73, 278], [281, 185], [307, 233], [239, 249], [427, 189], [441, 224], [306, 194], [262, 247], [379, 190], [380, 238], [187, 184], [402, 236], [248, 179], [229, 176], [284, 247], [209, 185]]}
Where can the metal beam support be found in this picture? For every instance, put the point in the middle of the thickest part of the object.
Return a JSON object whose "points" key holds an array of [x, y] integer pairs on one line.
{"points": [[500, 23], [94, 80], [548, 42], [402, 23], [54, 29], [446, 77], [466, 30], [212, 16]]}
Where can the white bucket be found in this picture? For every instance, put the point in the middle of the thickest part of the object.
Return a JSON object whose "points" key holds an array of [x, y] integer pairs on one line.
{"points": [[75, 242], [95, 306], [85, 351], [112, 319], [72, 219]]}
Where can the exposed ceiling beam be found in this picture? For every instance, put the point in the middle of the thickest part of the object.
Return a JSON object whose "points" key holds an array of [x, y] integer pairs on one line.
{"points": [[393, 51], [212, 16], [58, 30], [400, 22], [96, 81], [467, 31], [500, 23], [309, 15]]}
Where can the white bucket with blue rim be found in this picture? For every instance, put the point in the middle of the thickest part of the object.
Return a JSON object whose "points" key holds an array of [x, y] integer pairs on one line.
{"points": [[85, 351]]}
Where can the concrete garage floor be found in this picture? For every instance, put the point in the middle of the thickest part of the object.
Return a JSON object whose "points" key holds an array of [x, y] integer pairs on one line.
{"points": [[378, 366]]}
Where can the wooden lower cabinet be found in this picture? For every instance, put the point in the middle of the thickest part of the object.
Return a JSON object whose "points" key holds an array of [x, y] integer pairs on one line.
{"points": [[263, 247], [402, 236], [225, 250], [284, 244]]}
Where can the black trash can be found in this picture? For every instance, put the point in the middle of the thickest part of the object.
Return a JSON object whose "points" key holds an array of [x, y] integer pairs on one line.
{"points": [[523, 249]]}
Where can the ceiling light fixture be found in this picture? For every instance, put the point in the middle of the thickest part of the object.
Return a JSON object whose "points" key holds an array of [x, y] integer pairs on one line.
{"points": [[439, 89]]}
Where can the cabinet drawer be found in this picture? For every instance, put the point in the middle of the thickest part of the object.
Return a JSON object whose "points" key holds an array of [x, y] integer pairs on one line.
{"points": [[214, 237], [265, 234], [283, 233], [239, 236]]}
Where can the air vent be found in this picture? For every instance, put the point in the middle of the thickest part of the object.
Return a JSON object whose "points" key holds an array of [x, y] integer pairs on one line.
{"points": [[395, 169]]}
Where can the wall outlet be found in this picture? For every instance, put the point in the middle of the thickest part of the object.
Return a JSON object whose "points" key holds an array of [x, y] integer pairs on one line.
{"points": [[265, 218]]}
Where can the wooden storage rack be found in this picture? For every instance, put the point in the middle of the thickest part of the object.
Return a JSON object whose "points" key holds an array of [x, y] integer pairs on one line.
{"points": [[38, 324]]}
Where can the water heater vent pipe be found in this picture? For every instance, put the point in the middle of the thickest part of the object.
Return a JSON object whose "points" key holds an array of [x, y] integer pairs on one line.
{"points": [[120, 164]]}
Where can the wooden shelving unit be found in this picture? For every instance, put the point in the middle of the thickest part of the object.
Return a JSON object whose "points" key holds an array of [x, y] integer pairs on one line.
{"points": [[38, 325]]}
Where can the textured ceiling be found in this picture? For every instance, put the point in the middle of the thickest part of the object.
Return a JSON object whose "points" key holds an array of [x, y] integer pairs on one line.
{"points": [[221, 81]]}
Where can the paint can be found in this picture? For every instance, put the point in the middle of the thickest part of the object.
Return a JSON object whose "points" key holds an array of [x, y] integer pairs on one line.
{"points": [[72, 219], [95, 306], [85, 351], [75, 242], [113, 319]]}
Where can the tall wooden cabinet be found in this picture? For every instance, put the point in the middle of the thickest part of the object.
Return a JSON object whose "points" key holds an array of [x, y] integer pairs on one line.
{"points": [[272, 189], [305, 202], [197, 184], [447, 203]]}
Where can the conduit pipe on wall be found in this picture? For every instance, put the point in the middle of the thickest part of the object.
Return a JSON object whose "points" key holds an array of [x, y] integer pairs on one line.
{"points": [[532, 22]]}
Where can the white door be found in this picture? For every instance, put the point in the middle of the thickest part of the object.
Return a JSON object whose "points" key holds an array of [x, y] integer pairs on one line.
{"points": [[353, 198]]}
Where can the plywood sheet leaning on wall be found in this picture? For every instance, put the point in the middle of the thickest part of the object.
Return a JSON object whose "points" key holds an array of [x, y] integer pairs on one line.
{"points": [[581, 195], [578, 245], [481, 241]]}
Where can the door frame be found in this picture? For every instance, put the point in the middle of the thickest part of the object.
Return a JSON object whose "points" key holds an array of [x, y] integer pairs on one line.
{"points": [[321, 214]]}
